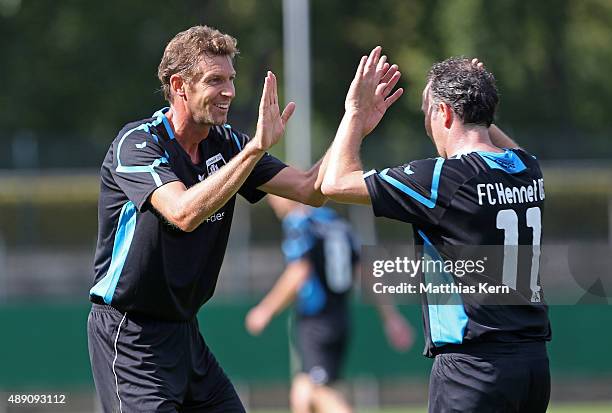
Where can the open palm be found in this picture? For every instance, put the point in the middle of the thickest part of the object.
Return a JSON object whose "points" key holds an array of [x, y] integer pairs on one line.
{"points": [[271, 123], [370, 93]]}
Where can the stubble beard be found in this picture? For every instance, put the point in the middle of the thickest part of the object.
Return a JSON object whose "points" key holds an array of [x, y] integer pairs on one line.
{"points": [[205, 118]]}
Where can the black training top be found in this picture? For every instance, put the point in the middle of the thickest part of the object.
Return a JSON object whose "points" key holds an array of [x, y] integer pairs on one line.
{"points": [[320, 236], [459, 207], [142, 263]]}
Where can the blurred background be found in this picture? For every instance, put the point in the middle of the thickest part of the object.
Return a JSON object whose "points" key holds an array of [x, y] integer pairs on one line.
{"points": [[74, 72]]}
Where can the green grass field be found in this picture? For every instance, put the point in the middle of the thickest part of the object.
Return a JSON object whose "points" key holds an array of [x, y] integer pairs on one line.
{"points": [[557, 408]]}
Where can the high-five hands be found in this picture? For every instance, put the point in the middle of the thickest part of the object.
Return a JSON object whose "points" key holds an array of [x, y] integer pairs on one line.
{"points": [[271, 124], [370, 93]]}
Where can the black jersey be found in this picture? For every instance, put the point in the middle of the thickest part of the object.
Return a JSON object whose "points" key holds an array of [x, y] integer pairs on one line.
{"points": [[322, 237], [142, 263], [476, 199]]}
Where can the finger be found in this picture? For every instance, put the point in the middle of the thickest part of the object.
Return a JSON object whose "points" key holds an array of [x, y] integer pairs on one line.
{"points": [[389, 74], [477, 63], [383, 71], [393, 98], [271, 91], [289, 109], [380, 89], [391, 83], [272, 95], [274, 89], [360, 68], [267, 88], [263, 103], [381, 64], [373, 58]]}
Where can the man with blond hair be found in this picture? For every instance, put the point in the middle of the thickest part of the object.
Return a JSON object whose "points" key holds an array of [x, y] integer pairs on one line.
{"points": [[168, 189]]}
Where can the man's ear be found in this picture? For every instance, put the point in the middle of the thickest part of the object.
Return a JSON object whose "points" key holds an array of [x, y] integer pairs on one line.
{"points": [[447, 113], [177, 85]]}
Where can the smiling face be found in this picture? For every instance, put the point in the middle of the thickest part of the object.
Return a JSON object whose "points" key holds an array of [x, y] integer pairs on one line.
{"points": [[210, 92]]}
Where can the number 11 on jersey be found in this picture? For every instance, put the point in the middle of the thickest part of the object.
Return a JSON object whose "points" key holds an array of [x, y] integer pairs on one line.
{"points": [[507, 220]]}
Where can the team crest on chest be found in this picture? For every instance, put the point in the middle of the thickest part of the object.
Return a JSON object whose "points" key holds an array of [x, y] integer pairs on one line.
{"points": [[214, 163]]}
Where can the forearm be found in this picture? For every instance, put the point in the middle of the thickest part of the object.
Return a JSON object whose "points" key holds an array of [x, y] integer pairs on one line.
{"points": [[314, 181], [300, 186], [284, 291], [344, 156], [320, 171], [500, 139], [386, 309], [200, 201], [343, 181]]}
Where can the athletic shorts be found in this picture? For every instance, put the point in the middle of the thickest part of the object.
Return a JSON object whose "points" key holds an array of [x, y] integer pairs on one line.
{"points": [[489, 377], [141, 364], [320, 344]]}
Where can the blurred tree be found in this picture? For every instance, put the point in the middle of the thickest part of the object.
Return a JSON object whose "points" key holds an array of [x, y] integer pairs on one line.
{"points": [[74, 72]]}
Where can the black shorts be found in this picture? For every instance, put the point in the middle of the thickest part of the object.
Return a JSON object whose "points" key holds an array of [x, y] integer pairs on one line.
{"points": [[496, 378], [320, 343], [141, 364]]}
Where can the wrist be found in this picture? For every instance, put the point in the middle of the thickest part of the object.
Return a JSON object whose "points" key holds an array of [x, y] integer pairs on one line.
{"points": [[255, 147], [356, 123], [353, 115]]}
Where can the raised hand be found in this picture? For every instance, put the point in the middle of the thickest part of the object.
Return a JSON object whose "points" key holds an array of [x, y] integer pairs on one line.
{"points": [[370, 93], [271, 123]]}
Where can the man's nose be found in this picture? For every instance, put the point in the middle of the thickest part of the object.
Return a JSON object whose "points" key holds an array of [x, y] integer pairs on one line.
{"points": [[229, 91]]}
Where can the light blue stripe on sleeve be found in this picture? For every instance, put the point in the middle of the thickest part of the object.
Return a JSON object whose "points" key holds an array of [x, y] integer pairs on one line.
{"points": [[429, 203], [105, 288], [143, 168]]}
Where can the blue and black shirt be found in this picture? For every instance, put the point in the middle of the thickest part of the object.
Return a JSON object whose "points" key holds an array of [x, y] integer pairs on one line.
{"points": [[143, 264], [473, 200], [320, 236]]}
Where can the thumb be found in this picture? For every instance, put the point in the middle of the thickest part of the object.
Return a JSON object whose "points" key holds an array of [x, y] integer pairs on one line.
{"points": [[288, 112]]}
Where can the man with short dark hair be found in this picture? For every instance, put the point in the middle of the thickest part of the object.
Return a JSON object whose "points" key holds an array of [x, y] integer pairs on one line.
{"points": [[488, 358]]}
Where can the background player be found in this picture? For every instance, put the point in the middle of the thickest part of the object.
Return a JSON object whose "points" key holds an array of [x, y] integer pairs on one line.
{"points": [[487, 358], [321, 252]]}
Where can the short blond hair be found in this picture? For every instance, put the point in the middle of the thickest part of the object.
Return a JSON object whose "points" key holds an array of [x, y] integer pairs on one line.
{"points": [[185, 51]]}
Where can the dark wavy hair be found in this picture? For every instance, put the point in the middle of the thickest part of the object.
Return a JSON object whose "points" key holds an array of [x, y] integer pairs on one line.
{"points": [[470, 91]]}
